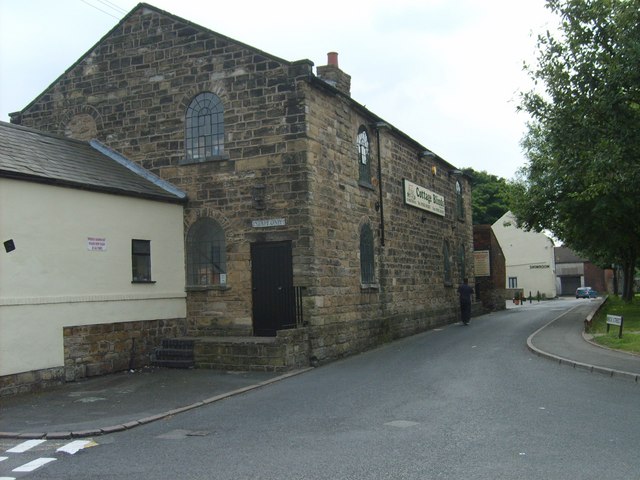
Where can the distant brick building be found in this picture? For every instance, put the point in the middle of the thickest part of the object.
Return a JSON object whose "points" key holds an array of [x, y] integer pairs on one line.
{"points": [[490, 268], [574, 271], [309, 219]]}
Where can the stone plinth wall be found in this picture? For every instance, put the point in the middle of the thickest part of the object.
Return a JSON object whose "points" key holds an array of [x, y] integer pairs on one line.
{"points": [[289, 350], [100, 349], [32, 381], [338, 340], [311, 346]]}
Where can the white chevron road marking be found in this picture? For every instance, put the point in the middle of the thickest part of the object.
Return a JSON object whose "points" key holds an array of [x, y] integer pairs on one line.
{"points": [[24, 446], [70, 448], [75, 446], [31, 466]]}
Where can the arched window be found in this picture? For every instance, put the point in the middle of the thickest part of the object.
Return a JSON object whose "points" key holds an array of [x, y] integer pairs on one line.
{"points": [[459, 201], [364, 157], [367, 271], [204, 128], [206, 254], [448, 280]]}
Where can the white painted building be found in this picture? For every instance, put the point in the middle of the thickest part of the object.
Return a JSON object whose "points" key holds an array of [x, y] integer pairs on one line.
{"points": [[529, 258], [89, 245]]}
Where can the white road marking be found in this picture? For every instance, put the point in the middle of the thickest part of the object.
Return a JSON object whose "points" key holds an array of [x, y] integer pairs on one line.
{"points": [[24, 446], [1, 460], [7, 478], [74, 446], [31, 466]]}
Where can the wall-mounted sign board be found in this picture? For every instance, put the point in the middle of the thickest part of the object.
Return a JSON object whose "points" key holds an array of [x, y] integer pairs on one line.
{"points": [[423, 198]]}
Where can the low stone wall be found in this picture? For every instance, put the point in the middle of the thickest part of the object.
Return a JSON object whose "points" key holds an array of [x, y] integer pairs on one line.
{"points": [[287, 351], [32, 381], [339, 340], [100, 349]]}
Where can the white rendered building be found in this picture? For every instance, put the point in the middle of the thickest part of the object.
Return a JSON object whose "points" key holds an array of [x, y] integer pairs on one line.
{"points": [[92, 264], [529, 258]]}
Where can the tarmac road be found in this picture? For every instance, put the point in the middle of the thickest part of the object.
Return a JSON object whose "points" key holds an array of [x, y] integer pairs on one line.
{"points": [[458, 402]]}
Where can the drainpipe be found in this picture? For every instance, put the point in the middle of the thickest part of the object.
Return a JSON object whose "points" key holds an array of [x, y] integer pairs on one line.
{"points": [[378, 126]]}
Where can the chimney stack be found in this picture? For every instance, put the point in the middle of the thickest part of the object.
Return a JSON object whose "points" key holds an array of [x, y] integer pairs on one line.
{"points": [[332, 74]]}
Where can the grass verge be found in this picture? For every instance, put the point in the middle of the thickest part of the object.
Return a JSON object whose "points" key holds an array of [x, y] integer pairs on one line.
{"points": [[630, 312]]}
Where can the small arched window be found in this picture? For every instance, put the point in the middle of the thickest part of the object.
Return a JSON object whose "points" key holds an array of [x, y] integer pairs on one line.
{"points": [[448, 280], [204, 128], [364, 157], [459, 201], [206, 254], [367, 270]]}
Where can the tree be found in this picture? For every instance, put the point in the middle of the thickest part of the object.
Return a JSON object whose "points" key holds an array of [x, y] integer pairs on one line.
{"points": [[489, 200], [582, 179]]}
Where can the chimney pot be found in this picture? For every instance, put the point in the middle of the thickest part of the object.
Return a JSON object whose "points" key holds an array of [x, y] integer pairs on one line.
{"points": [[332, 58]]}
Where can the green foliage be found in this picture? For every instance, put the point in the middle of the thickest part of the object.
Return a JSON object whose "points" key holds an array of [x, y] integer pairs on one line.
{"points": [[630, 312], [489, 196], [582, 181]]}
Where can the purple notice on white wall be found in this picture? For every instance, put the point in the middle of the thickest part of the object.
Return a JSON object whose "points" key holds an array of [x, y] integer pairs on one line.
{"points": [[96, 244]]}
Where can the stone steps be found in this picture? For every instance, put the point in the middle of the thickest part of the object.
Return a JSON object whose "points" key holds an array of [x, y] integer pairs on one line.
{"points": [[174, 353]]}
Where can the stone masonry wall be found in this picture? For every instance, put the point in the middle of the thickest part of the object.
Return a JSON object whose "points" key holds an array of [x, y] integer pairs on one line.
{"points": [[26, 382], [99, 349], [411, 293]]}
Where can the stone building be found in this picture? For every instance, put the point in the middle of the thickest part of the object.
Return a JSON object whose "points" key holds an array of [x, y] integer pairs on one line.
{"points": [[313, 227]]}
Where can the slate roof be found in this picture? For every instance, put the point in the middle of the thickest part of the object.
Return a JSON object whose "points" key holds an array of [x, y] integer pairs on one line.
{"points": [[31, 155]]}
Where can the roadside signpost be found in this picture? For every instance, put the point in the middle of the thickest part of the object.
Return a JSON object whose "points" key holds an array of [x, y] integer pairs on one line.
{"points": [[615, 320]]}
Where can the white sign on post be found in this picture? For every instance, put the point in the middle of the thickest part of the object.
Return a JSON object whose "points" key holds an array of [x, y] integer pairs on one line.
{"points": [[614, 320]]}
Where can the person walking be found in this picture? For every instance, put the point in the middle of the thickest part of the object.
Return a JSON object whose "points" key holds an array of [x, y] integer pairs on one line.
{"points": [[465, 291]]}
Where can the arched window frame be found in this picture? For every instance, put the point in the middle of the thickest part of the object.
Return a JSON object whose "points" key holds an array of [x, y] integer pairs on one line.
{"points": [[459, 201], [363, 148], [367, 263], [446, 254], [204, 129], [206, 254]]}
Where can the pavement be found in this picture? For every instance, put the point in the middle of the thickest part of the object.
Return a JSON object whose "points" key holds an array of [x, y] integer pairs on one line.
{"points": [[118, 402]]}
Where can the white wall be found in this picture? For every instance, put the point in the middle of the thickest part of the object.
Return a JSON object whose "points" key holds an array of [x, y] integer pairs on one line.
{"points": [[52, 280], [529, 257]]}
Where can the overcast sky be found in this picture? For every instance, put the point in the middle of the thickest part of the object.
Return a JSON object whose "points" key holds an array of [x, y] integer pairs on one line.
{"points": [[445, 72]]}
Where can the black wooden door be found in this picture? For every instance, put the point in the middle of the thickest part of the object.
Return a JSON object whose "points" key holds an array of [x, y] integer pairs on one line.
{"points": [[272, 284]]}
